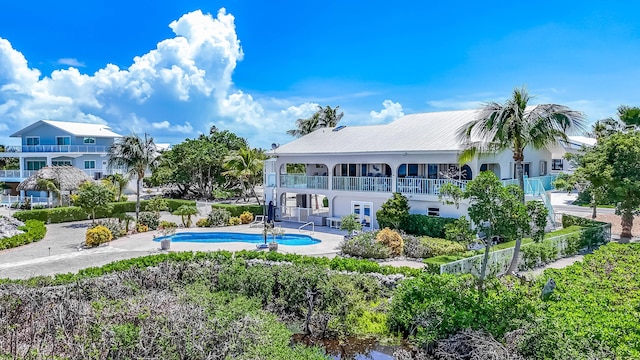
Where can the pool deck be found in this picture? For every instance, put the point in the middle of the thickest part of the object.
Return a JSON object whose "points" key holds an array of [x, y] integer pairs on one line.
{"points": [[60, 252]]}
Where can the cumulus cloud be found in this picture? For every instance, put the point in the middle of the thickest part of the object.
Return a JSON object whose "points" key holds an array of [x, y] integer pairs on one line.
{"points": [[391, 111], [186, 77], [71, 62]]}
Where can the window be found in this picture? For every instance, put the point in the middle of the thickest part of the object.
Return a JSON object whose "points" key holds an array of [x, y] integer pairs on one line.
{"points": [[89, 140], [61, 163], [89, 164], [433, 211], [433, 171], [526, 167], [36, 165], [556, 164], [63, 140], [33, 140]]}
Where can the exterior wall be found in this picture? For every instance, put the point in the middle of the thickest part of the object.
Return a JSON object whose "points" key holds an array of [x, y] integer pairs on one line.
{"points": [[48, 135]]}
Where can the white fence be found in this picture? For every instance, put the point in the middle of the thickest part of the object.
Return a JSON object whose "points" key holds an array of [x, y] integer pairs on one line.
{"points": [[498, 262], [9, 200]]}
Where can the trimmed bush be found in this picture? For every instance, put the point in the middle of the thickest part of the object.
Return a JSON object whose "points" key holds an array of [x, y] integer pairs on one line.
{"points": [[391, 239], [234, 220], [98, 235], [203, 223], [34, 230], [219, 217], [116, 227], [151, 220], [426, 247], [365, 245], [246, 217], [423, 225], [237, 209]]}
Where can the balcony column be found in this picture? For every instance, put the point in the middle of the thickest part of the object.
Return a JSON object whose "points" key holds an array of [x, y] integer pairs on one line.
{"points": [[48, 160], [22, 164], [330, 179]]}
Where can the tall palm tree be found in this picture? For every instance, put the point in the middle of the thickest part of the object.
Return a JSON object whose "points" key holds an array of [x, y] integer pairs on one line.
{"points": [[135, 155], [323, 117], [245, 164], [514, 126]]}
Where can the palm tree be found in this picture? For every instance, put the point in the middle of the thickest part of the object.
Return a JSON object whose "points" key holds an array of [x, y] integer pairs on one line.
{"points": [[50, 186], [514, 126], [323, 117], [245, 164], [120, 182], [135, 155]]}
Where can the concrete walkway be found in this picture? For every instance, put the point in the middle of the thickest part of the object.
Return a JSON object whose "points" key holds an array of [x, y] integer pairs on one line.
{"points": [[60, 251]]}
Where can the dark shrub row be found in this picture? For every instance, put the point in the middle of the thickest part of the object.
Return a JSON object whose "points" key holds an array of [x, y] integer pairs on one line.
{"points": [[423, 225], [236, 209]]}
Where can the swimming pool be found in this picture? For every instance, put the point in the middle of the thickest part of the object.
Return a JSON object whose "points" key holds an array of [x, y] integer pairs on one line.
{"points": [[227, 237]]}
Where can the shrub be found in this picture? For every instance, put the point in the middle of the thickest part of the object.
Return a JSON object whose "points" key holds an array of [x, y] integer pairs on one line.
{"points": [[141, 228], [246, 217], [237, 210], [365, 245], [98, 235], [234, 220], [392, 239], [219, 217], [460, 231], [151, 220], [350, 224], [34, 230], [537, 254], [167, 224], [204, 222], [425, 247], [116, 227], [423, 225], [55, 215], [185, 212], [393, 212], [157, 204]]}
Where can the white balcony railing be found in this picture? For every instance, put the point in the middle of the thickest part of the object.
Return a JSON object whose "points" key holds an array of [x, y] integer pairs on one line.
{"points": [[422, 186], [56, 148], [299, 181], [362, 183], [15, 174], [93, 173]]}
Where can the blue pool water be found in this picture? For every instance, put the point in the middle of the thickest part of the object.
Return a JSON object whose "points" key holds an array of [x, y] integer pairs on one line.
{"points": [[227, 237]]}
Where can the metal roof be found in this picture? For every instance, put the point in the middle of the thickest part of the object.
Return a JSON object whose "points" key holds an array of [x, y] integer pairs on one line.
{"points": [[424, 132], [73, 128]]}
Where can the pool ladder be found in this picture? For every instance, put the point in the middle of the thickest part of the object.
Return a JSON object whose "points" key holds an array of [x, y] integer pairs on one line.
{"points": [[313, 227]]}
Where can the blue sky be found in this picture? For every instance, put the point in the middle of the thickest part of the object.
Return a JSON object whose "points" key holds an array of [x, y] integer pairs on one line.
{"points": [[174, 68]]}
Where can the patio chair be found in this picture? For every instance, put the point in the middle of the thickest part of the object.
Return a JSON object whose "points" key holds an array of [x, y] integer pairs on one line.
{"points": [[257, 221]]}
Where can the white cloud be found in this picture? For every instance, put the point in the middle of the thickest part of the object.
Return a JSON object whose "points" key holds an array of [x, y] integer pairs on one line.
{"points": [[165, 125], [391, 111], [71, 62]]}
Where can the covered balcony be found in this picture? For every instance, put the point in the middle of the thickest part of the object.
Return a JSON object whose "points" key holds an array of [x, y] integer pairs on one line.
{"points": [[371, 177], [56, 149]]}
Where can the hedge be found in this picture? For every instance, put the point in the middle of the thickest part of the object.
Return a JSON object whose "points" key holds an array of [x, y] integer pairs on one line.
{"points": [[34, 230], [74, 213], [424, 225], [237, 209]]}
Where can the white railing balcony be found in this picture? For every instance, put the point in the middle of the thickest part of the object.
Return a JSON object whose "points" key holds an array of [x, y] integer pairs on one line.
{"points": [[299, 181], [362, 183], [15, 174], [422, 186], [56, 149]]}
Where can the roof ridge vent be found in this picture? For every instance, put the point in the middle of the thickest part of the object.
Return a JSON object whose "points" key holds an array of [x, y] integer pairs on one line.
{"points": [[338, 128]]}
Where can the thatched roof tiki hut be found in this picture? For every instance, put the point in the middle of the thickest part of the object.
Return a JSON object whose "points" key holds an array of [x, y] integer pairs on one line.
{"points": [[61, 180]]}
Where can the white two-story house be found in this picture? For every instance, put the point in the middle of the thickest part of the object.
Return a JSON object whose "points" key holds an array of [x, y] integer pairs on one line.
{"points": [[359, 167], [60, 143]]}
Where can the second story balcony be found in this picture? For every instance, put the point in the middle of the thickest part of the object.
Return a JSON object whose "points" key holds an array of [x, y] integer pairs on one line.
{"points": [[56, 149], [301, 181], [362, 183]]}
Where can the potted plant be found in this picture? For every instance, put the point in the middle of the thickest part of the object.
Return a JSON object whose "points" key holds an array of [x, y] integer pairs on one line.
{"points": [[167, 230], [273, 245]]}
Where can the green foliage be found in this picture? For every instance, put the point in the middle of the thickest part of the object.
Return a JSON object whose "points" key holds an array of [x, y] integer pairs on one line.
{"points": [[432, 307], [186, 212], [149, 219], [98, 235], [364, 245], [238, 209], [432, 265], [53, 216], [34, 230], [426, 247], [245, 167], [459, 231], [423, 225], [325, 202], [116, 227], [592, 311], [393, 212], [93, 196], [234, 220], [350, 223], [156, 204], [219, 217]]}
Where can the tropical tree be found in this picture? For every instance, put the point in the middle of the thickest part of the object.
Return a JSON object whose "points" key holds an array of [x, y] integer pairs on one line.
{"points": [[246, 165], [186, 212], [93, 196], [135, 155], [120, 182], [50, 186], [323, 117], [514, 126]]}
